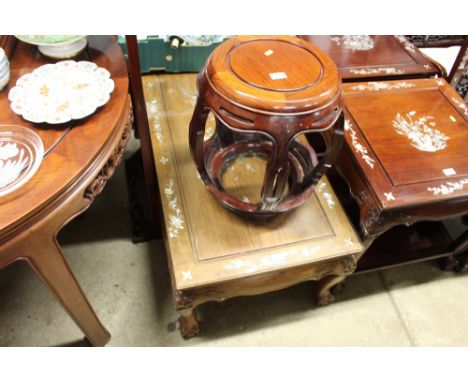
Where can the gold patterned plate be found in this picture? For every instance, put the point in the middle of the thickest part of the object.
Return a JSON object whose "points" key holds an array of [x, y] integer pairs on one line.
{"points": [[61, 92]]}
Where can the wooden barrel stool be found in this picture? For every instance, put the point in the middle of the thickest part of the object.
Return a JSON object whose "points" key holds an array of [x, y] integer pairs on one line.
{"points": [[265, 93]]}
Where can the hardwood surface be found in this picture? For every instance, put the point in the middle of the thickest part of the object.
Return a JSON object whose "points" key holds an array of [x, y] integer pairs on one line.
{"points": [[399, 175], [142, 132], [265, 92], [214, 254], [79, 159], [391, 57]]}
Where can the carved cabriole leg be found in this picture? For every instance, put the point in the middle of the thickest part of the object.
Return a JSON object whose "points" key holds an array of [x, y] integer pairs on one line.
{"points": [[346, 267], [324, 296], [188, 319], [188, 323]]}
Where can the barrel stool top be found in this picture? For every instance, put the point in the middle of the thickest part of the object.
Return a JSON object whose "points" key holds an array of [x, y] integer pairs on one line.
{"points": [[273, 75]]}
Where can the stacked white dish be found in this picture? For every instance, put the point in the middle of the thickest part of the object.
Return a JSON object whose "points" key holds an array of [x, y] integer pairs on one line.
{"points": [[4, 69]]}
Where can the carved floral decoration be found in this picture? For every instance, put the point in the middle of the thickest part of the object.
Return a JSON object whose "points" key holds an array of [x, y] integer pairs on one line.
{"points": [[358, 147], [322, 188], [406, 43], [385, 70], [448, 187], [461, 105], [378, 86], [420, 131], [176, 220], [354, 42]]}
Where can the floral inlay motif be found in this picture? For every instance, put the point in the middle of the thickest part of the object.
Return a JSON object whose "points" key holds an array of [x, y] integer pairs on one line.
{"points": [[448, 187], [406, 44], [187, 275], [354, 42], [389, 196], [461, 105], [322, 188], [191, 96], [250, 266], [153, 116], [163, 160], [12, 163], [386, 70], [358, 147], [176, 220], [377, 86], [420, 131]]}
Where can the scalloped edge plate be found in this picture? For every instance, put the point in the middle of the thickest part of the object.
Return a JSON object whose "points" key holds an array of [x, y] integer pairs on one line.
{"points": [[61, 92]]}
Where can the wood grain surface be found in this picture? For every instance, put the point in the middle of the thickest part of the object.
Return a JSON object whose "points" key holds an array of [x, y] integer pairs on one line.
{"points": [[208, 244]]}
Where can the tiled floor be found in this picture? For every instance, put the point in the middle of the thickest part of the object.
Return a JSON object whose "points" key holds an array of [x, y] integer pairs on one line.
{"points": [[129, 287]]}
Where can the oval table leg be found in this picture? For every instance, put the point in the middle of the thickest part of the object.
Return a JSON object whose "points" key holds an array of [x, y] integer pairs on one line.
{"points": [[47, 260]]}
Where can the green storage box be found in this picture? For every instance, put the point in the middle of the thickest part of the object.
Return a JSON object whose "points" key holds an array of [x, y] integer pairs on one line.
{"points": [[157, 55]]}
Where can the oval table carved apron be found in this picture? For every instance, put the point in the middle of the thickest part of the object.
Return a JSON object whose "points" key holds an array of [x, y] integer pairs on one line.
{"points": [[79, 159]]}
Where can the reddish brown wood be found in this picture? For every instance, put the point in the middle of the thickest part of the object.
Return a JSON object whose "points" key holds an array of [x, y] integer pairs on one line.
{"points": [[79, 162], [8, 44], [391, 57], [393, 180], [143, 132], [264, 92]]}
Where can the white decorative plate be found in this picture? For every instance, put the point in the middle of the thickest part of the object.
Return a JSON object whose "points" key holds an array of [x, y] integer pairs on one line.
{"points": [[21, 152], [58, 93]]}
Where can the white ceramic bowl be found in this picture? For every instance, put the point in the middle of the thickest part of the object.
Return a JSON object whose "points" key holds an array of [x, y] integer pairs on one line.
{"points": [[65, 50]]}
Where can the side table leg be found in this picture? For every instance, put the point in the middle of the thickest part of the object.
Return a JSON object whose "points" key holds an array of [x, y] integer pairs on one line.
{"points": [[324, 295], [47, 260], [188, 323]]}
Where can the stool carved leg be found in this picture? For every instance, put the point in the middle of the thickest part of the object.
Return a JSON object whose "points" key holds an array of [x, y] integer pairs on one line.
{"points": [[188, 323]]}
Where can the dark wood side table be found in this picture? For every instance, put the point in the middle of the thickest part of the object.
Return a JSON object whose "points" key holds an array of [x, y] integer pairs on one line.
{"points": [[376, 57], [78, 161], [214, 254], [404, 156]]}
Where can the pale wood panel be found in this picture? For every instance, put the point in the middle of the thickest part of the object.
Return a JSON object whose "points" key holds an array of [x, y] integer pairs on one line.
{"points": [[211, 243]]}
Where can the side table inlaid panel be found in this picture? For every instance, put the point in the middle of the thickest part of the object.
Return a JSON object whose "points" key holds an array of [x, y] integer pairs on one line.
{"points": [[405, 152], [215, 254], [375, 57]]}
